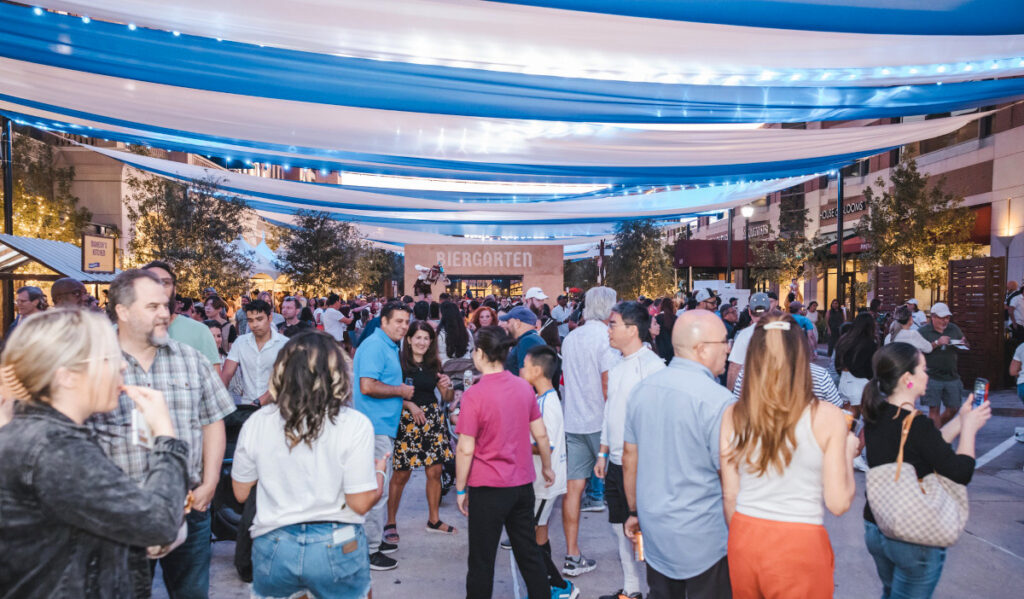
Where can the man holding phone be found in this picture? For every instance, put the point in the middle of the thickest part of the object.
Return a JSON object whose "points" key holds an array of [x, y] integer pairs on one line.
{"points": [[944, 385]]}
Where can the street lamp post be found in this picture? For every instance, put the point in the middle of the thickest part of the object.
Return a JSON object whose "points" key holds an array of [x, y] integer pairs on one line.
{"points": [[728, 271], [747, 211]]}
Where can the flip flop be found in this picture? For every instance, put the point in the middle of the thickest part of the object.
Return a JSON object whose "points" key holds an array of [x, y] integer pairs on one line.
{"points": [[436, 528], [392, 536]]}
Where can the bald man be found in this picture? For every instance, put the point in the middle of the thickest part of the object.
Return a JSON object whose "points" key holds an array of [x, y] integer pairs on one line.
{"points": [[69, 293], [670, 464]]}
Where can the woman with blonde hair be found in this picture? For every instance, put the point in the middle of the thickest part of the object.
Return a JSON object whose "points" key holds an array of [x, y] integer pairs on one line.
{"points": [[67, 507], [782, 451]]}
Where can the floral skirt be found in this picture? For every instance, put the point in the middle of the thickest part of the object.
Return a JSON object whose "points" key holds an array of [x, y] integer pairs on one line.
{"points": [[423, 445]]}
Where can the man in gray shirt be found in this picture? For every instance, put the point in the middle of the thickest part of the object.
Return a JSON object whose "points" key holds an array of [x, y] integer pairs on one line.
{"points": [[670, 464]]}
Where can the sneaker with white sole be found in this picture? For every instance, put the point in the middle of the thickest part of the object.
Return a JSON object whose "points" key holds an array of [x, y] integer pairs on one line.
{"points": [[379, 561], [569, 592], [574, 566], [505, 544], [592, 505], [386, 547], [621, 594]]}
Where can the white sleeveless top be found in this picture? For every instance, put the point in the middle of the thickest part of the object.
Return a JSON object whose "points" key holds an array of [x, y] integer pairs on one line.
{"points": [[796, 494]]}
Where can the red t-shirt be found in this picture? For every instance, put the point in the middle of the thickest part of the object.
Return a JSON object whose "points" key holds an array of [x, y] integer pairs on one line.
{"points": [[497, 412]]}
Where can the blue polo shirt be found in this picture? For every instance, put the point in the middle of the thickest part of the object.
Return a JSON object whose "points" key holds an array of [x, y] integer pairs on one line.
{"points": [[377, 358]]}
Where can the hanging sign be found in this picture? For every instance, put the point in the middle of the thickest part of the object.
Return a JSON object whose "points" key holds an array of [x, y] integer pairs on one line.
{"points": [[98, 254]]}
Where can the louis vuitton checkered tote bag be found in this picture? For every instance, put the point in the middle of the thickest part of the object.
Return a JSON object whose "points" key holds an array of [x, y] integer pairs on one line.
{"points": [[931, 511]]}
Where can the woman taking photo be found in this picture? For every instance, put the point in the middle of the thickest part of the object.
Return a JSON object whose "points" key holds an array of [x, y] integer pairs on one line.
{"points": [[453, 340], [853, 359], [494, 468], [69, 514], [422, 440], [907, 569], [484, 316], [834, 319], [783, 451], [310, 457], [215, 310]]}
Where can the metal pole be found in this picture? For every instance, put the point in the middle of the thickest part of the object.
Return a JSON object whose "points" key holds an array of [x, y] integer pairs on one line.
{"points": [[840, 274], [600, 265], [728, 251], [6, 137], [746, 254]]}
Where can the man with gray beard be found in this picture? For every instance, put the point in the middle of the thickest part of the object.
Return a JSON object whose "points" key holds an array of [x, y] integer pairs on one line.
{"points": [[198, 403]]}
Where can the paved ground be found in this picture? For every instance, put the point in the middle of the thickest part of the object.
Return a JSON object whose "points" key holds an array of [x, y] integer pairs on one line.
{"points": [[987, 562]]}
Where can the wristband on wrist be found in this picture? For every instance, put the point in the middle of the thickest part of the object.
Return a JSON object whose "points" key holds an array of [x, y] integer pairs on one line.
{"points": [[458, 492], [634, 514], [603, 455], [381, 472]]}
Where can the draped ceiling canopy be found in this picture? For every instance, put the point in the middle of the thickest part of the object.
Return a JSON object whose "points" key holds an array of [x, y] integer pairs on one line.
{"points": [[540, 121]]}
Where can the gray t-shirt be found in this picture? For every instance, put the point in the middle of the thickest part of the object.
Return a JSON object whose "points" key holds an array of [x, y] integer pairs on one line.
{"points": [[674, 417]]}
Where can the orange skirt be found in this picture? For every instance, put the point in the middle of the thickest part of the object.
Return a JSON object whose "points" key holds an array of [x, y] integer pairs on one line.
{"points": [[771, 559]]}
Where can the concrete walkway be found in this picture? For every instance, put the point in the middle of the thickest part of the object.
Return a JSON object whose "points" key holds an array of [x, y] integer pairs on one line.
{"points": [[987, 562]]}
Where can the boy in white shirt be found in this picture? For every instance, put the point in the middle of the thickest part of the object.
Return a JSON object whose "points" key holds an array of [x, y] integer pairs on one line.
{"points": [[628, 327], [539, 366]]}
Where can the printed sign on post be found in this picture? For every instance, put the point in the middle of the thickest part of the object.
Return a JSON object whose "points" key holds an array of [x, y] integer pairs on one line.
{"points": [[98, 254]]}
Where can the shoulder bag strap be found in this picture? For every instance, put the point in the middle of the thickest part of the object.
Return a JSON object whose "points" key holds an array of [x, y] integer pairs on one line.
{"points": [[905, 430]]}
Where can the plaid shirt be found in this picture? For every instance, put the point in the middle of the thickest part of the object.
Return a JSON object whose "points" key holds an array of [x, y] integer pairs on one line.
{"points": [[195, 397]]}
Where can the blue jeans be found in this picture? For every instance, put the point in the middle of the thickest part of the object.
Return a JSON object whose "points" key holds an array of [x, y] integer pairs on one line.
{"points": [[595, 488], [907, 570], [328, 559], [187, 569], [1020, 391]]}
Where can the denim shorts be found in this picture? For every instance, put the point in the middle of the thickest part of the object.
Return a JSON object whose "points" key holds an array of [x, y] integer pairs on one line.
{"points": [[944, 393], [328, 559]]}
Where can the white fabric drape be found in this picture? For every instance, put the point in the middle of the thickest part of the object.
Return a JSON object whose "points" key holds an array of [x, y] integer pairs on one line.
{"points": [[544, 41], [190, 112]]}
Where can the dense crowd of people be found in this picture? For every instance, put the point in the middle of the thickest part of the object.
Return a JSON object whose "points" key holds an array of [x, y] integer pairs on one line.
{"points": [[703, 428]]}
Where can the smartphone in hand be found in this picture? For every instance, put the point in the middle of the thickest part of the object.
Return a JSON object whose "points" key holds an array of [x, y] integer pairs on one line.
{"points": [[980, 391]]}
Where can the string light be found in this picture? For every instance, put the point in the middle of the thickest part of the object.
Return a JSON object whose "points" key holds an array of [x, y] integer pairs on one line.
{"points": [[38, 11], [131, 26], [86, 20]]}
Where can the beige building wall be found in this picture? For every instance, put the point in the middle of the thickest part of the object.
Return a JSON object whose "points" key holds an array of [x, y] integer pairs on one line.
{"points": [[539, 265]]}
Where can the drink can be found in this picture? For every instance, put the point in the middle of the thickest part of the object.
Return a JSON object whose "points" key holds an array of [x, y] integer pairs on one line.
{"points": [[467, 379], [638, 546]]}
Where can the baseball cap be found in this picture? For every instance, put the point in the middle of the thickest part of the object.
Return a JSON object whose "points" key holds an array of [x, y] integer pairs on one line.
{"points": [[535, 293], [795, 306], [521, 313], [912, 300], [941, 310], [703, 295], [759, 303]]}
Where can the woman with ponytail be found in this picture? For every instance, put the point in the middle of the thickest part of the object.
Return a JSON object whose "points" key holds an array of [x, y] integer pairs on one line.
{"points": [[907, 569], [782, 450]]}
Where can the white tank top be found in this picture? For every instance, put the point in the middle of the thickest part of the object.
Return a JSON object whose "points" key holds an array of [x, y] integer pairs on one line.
{"points": [[796, 494]]}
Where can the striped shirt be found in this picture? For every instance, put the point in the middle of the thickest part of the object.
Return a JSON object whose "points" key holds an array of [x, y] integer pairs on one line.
{"points": [[195, 397], [824, 388]]}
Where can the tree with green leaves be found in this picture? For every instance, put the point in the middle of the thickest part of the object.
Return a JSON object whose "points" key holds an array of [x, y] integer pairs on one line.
{"points": [[639, 264], [581, 274], [377, 267], [320, 254], [914, 221], [193, 228], [784, 256], [44, 206]]}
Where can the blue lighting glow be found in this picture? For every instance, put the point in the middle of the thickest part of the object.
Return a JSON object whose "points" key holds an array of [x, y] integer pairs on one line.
{"points": [[131, 26], [86, 20], [176, 33], [38, 11]]}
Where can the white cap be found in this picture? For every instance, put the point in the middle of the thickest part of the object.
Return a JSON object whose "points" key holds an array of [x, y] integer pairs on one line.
{"points": [[535, 293], [703, 294], [941, 310], [912, 300]]}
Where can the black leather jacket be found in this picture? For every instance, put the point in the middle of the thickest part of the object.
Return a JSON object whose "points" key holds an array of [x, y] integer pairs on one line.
{"points": [[68, 515]]}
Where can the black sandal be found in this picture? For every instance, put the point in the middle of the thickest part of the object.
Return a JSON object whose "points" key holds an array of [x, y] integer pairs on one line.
{"points": [[435, 527], [391, 537]]}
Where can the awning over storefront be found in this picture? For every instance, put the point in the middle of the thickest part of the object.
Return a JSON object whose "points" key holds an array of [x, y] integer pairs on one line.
{"points": [[63, 258], [707, 253]]}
